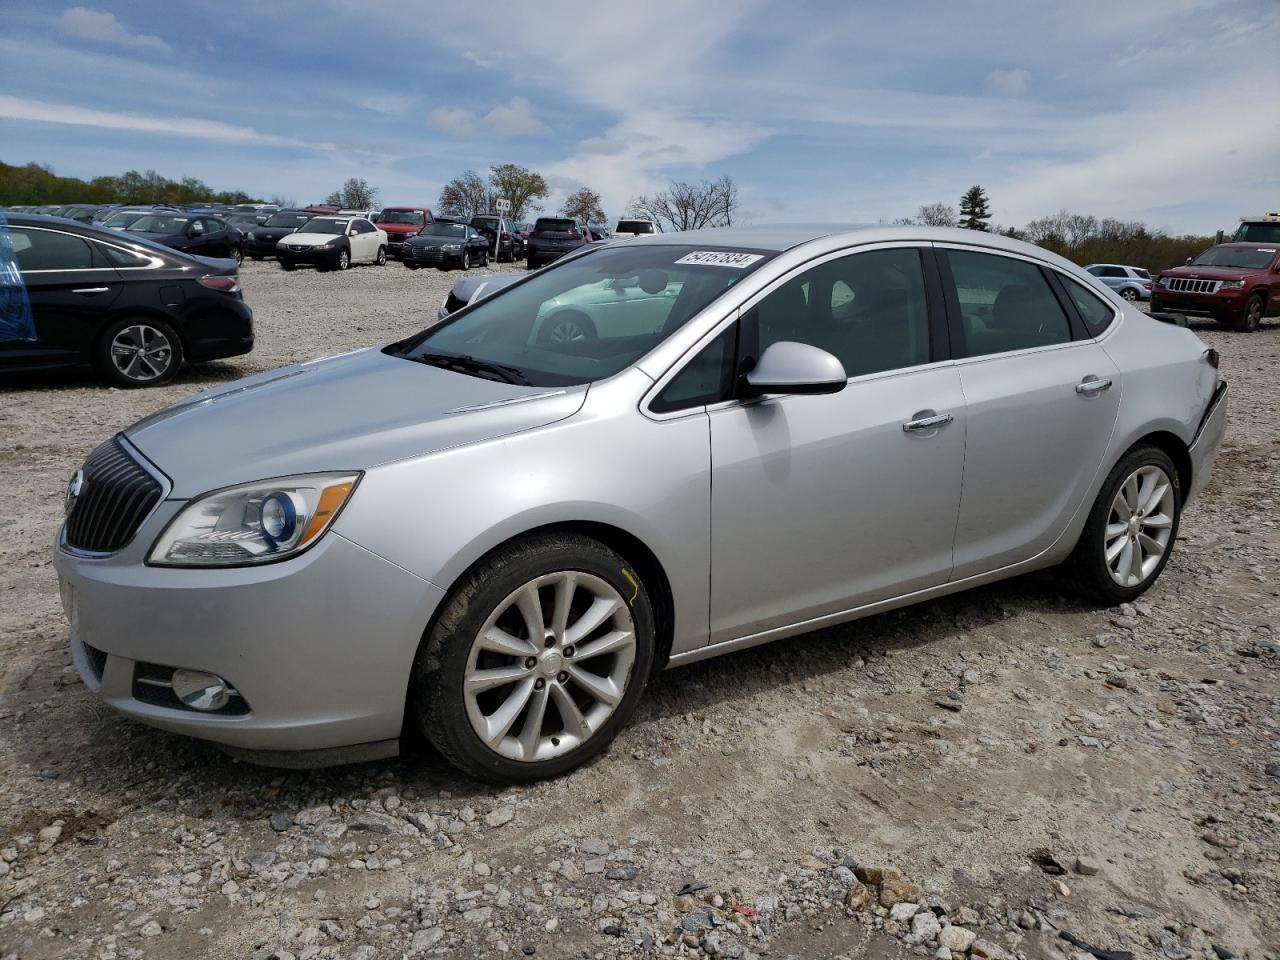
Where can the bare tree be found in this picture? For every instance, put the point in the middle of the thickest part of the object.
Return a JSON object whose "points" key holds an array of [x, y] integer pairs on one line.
{"points": [[690, 206], [355, 194], [937, 215], [466, 196], [584, 205]]}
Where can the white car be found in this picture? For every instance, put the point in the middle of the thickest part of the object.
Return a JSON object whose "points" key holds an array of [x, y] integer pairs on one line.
{"points": [[333, 243]]}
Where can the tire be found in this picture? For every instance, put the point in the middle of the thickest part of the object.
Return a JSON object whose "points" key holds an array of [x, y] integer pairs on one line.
{"points": [[487, 598], [257, 257], [138, 352], [343, 260], [238, 255], [530, 265], [484, 259], [1103, 531], [567, 326], [1129, 294], [466, 260], [381, 259], [1251, 317], [410, 266], [286, 265]]}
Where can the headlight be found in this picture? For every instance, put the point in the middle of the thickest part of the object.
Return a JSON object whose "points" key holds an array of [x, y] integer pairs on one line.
{"points": [[1162, 282], [329, 246], [253, 523], [1232, 285], [453, 246]]}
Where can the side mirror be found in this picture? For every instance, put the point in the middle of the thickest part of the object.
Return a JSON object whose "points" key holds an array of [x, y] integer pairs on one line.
{"points": [[1188, 261], [790, 367], [195, 230]]}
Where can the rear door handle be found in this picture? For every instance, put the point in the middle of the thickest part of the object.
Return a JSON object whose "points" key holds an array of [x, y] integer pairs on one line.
{"points": [[90, 291], [1092, 386], [927, 423]]}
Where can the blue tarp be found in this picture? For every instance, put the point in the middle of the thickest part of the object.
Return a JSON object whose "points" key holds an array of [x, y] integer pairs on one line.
{"points": [[15, 309]]}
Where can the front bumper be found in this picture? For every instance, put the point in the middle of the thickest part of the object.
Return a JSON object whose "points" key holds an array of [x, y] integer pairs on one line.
{"points": [[429, 256], [1204, 448], [1219, 306], [315, 255], [320, 647]]}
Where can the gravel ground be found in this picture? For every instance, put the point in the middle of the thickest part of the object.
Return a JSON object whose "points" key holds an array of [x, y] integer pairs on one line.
{"points": [[975, 777]]}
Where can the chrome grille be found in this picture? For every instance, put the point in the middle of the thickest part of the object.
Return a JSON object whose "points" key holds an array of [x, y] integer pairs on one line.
{"points": [[1187, 285], [116, 496]]}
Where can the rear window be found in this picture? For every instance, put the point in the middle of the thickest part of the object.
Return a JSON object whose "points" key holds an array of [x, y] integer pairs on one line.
{"points": [[402, 216], [634, 226], [547, 225]]}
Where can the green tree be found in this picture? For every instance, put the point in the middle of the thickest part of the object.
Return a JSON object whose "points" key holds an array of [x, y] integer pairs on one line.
{"points": [[519, 185], [975, 209], [584, 205], [355, 194], [38, 184]]}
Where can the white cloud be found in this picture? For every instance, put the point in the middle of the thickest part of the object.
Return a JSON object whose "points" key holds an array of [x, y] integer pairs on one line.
{"points": [[387, 102], [1009, 83], [103, 27], [17, 108], [505, 121]]}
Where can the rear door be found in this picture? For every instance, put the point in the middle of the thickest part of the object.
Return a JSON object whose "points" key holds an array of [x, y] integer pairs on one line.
{"points": [[1041, 399], [70, 288]]}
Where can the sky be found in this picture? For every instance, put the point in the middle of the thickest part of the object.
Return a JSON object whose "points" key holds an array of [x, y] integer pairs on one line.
{"points": [[1165, 111]]}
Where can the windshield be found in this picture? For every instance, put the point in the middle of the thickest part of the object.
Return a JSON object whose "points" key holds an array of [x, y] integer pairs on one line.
{"points": [[118, 221], [323, 225], [589, 317], [443, 230], [490, 223], [154, 224], [1249, 258], [402, 216], [1258, 232], [286, 220]]}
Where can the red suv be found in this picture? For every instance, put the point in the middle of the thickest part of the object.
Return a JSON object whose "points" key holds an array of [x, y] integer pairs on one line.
{"points": [[1236, 284], [402, 222]]}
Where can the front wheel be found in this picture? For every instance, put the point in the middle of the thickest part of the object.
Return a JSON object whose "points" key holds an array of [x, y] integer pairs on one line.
{"points": [[538, 658], [343, 260], [466, 259], [286, 265], [1251, 318], [1131, 529]]}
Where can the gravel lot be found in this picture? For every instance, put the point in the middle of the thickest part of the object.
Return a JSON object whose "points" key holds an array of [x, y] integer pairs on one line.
{"points": [[1110, 773]]}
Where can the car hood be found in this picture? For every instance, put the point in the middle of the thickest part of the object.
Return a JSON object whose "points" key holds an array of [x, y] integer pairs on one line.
{"points": [[1212, 273], [311, 239], [399, 227], [429, 241], [273, 233], [349, 412]]}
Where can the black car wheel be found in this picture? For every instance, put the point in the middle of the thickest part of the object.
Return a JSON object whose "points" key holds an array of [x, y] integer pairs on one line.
{"points": [[139, 352], [1251, 318], [257, 257], [410, 266], [237, 254], [288, 265]]}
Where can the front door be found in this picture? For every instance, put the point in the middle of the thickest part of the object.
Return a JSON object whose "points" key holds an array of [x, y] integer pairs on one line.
{"points": [[825, 503], [1041, 408]]}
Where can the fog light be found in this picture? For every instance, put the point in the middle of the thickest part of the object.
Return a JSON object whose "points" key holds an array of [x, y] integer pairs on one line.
{"points": [[201, 691]]}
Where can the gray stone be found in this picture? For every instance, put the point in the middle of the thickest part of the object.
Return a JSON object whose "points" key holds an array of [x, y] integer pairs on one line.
{"points": [[500, 816], [280, 822], [1086, 867], [374, 822], [902, 912], [594, 847], [424, 940], [924, 927], [697, 921], [956, 938]]}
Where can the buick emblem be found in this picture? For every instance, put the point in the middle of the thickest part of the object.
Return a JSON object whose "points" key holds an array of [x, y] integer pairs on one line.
{"points": [[74, 489]]}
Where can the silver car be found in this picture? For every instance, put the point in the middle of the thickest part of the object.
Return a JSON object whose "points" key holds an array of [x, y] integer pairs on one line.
{"points": [[1132, 283], [496, 536]]}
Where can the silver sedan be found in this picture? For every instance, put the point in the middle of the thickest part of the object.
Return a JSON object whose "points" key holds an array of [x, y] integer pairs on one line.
{"points": [[496, 533]]}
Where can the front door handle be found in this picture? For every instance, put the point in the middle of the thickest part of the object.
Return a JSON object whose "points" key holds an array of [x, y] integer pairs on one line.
{"points": [[1092, 386], [927, 423], [90, 291]]}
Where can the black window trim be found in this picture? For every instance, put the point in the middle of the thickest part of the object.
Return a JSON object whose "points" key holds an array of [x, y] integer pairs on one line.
{"points": [[1077, 319], [94, 256]]}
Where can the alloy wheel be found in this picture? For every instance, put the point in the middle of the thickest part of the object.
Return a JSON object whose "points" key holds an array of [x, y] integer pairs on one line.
{"points": [[344, 260], [466, 259], [1130, 294], [1139, 526], [567, 331], [141, 353], [549, 666]]}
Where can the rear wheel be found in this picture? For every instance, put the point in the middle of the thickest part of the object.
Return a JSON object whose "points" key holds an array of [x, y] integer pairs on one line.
{"points": [[1251, 317], [1129, 294], [238, 254], [381, 259], [139, 353], [538, 658], [1131, 529]]}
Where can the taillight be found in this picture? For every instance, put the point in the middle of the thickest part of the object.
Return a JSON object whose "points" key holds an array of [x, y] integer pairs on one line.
{"points": [[1147, 284], [1211, 357], [506, 236], [221, 283]]}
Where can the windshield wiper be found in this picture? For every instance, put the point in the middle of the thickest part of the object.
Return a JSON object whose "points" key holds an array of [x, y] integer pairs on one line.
{"points": [[463, 363]]}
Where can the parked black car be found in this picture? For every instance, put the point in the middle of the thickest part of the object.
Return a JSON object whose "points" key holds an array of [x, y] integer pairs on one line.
{"points": [[203, 235], [504, 243], [552, 238], [442, 244], [134, 310], [261, 241]]}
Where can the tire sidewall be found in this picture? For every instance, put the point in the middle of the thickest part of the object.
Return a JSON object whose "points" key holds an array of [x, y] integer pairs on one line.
{"points": [[1091, 551], [107, 369], [436, 702]]}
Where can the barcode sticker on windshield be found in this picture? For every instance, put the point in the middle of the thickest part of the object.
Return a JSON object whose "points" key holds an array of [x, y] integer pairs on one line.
{"points": [[721, 258]]}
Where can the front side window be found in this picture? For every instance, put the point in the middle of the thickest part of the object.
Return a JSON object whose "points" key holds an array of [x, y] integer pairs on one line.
{"points": [[154, 224], [49, 250], [1096, 314], [1005, 304], [868, 309], [707, 378], [587, 318]]}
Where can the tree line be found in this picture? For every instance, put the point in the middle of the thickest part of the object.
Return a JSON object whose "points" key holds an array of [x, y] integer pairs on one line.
{"points": [[35, 184], [1081, 238]]}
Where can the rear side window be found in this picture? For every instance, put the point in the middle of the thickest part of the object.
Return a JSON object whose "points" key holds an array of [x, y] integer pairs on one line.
{"points": [[1113, 272], [123, 258], [1005, 304], [49, 250], [707, 378], [1097, 315]]}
